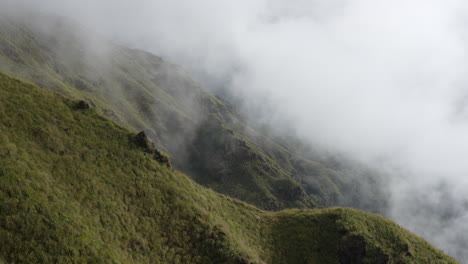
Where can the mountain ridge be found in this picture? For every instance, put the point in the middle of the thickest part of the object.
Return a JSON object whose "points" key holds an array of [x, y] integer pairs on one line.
{"points": [[204, 137], [76, 187]]}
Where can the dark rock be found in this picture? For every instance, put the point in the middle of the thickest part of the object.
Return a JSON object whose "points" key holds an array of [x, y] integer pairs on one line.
{"points": [[82, 105], [142, 141], [161, 158]]}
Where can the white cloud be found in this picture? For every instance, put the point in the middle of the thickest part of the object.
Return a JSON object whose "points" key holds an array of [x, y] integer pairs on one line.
{"points": [[366, 77]]}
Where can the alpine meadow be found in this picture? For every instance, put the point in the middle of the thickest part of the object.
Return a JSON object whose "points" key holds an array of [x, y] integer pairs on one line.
{"points": [[152, 132]]}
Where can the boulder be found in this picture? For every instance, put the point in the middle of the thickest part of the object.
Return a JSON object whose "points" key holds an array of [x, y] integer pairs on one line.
{"points": [[82, 105]]}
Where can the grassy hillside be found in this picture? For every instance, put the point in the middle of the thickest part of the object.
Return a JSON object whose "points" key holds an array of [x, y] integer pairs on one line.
{"points": [[77, 188], [200, 132]]}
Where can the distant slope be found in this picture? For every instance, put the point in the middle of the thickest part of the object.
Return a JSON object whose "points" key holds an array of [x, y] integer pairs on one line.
{"points": [[77, 188], [201, 133]]}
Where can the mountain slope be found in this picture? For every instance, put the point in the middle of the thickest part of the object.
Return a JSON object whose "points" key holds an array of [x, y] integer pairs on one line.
{"points": [[202, 134], [76, 187]]}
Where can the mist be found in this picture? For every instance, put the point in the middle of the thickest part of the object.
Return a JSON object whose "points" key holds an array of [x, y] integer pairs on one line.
{"points": [[385, 82]]}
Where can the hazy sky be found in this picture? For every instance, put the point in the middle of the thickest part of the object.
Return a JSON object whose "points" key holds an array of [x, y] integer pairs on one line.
{"points": [[380, 80]]}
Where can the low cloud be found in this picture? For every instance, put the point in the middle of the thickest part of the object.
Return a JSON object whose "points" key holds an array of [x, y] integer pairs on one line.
{"points": [[382, 81]]}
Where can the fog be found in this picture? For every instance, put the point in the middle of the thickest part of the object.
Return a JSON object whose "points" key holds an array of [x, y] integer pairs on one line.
{"points": [[385, 82]]}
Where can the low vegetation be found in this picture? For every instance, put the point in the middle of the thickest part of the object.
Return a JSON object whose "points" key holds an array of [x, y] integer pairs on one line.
{"points": [[201, 133], [76, 187]]}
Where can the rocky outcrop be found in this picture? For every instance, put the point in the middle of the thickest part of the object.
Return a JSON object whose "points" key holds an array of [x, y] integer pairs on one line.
{"points": [[82, 105], [142, 141]]}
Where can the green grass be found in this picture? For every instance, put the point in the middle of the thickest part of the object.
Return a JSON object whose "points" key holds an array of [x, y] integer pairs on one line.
{"points": [[200, 132], [75, 188]]}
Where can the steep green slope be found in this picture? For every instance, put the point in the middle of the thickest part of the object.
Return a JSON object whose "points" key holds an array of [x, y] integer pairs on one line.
{"points": [[77, 188], [201, 133]]}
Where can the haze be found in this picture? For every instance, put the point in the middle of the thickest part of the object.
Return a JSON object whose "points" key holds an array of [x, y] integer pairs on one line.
{"points": [[385, 82]]}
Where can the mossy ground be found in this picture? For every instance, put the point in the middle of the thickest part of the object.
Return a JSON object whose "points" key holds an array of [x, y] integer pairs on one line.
{"points": [[75, 188]]}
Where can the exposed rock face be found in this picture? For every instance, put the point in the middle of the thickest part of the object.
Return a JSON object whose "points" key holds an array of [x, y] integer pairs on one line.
{"points": [[142, 141], [82, 105], [161, 158]]}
